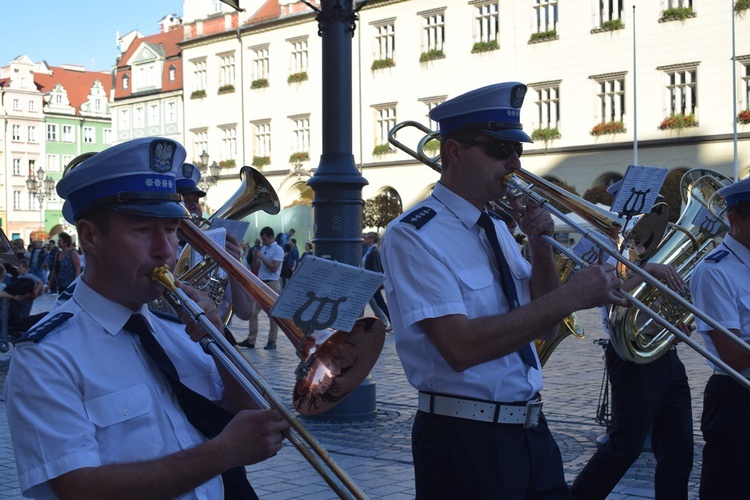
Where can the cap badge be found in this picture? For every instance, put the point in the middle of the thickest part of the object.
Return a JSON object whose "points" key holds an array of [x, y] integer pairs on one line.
{"points": [[187, 170], [162, 156], [516, 95]]}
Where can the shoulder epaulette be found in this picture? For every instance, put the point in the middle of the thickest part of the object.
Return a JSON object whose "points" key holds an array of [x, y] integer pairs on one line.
{"points": [[67, 293], [41, 330], [419, 217], [717, 256], [165, 315]]}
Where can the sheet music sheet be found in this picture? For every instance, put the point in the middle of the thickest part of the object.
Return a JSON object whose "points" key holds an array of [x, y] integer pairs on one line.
{"points": [[236, 228], [639, 189], [707, 222], [219, 236], [331, 281]]}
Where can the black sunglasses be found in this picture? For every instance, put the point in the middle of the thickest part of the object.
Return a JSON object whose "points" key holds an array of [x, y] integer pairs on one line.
{"points": [[500, 150]]}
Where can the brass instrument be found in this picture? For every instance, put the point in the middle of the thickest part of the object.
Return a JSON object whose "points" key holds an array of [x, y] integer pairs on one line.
{"points": [[531, 186], [571, 325], [259, 390], [333, 364]]}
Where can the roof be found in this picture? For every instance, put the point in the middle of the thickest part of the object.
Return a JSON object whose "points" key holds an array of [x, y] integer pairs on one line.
{"points": [[76, 81], [168, 42], [164, 45]]}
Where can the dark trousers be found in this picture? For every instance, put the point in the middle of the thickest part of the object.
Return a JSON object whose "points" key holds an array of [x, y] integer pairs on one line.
{"points": [[380, 301], [645, 397], [725, 424], [458, 458]]}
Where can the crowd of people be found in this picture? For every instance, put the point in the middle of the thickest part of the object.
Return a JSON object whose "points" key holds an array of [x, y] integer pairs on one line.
{"points": [[140, 410]]}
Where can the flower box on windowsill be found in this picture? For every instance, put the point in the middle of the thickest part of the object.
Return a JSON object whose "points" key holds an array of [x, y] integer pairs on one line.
{"points": [[741, 6], [227, 163], [678, 121], [261, 161], [382, 64], [382, 149], [260, 83], [299, 157], [544, 36], [198, 94], [297, 77], [485, 46], [545, 134], [226, 89], [432, 146], [676, 14], [608, 128], [431, 55], [743, 117]]}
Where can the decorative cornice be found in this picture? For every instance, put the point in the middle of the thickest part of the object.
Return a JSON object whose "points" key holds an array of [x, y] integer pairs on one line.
{"points": [[690, 65], [607, 76]]}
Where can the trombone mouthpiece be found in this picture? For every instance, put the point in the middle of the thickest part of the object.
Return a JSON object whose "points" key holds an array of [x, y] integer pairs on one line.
{"points": [[162, 275]]}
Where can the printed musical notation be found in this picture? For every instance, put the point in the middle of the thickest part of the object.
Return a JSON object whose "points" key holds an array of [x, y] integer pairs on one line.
{"points": [[639, 190]]}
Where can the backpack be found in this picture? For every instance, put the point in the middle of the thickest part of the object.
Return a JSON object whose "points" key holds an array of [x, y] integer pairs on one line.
{"points": [[278, 239], [286, 270]]}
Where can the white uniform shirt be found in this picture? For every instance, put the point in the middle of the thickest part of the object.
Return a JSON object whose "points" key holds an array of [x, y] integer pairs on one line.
{"points": [[273, 253], [445, 268], [87, 394], [721, 288]]}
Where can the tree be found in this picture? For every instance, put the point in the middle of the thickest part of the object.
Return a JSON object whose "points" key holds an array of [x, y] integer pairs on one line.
{"points": [[380, 210], [670, 190], [598, 194]]}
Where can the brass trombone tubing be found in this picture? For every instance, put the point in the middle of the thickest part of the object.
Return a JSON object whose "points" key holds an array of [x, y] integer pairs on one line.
{"points": [[261, 392], [605, 246]]}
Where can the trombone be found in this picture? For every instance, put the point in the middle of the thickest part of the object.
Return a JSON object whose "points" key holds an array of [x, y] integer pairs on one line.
{"points": [[525, 182], [259, 390]]}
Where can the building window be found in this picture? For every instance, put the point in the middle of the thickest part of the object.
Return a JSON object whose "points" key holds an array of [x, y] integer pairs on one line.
{"points": [[32, 106], [744, 90], [172, 73], [107, 136], [299, 55], [199, 75], [88, 135], [301, 134], [171, 112], [97, 105], [52, 132], [16, 104], [262, 139], [66, 161], [228, 143], [16, 132], [547, 102], [433, 32], [486, 23], [611, 98], [679, 4], [681, 90], [200, 143], [610, 13], [545, 14], [125, 82], [16, 200], [385, 40], [226, 70], [53, 163], [431, 102], [32, 134], [260, 63], [138, 117], [16, 166], [124, 121], [68, 134], [153, 114], [385, 120]]}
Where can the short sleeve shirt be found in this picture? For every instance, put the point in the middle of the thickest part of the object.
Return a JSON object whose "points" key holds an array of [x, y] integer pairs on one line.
{"points": [[446, 267], [274, 253]]}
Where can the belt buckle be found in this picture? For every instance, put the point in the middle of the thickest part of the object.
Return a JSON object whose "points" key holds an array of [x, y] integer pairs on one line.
{"points": [[533, 410]]}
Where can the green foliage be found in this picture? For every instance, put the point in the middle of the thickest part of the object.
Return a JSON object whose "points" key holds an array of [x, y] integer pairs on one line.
{"points": [[535, 37], [608, 128], [382, 149], [598, 194], [485, 46], [227, 164], [299, 157], [431, 55], [744, 116], [678, 121], [197, 94], [380, 210], [612, 25], [741, 5], [675, 13], [297, 77], [226, 89], [261, 161], [432, 146], [260, 83], [545, 134], [382, 63]]}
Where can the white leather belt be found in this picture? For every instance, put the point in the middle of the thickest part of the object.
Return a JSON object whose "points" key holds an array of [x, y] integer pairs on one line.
{"points": [[482, 411], [745, 373]]}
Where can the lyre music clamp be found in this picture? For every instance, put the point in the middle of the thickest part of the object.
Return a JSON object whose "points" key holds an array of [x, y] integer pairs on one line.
{"points": [[309, 319]]}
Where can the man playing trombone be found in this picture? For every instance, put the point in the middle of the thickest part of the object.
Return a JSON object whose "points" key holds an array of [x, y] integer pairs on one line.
{"points": [[466, 307], [721, 287], [106, 400]]}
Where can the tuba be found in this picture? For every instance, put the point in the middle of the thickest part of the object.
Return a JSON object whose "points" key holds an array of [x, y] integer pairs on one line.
{"points": [[639, 339]]}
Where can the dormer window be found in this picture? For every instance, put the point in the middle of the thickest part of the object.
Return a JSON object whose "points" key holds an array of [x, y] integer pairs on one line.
{"points": [[125, 82], [172, 73]]}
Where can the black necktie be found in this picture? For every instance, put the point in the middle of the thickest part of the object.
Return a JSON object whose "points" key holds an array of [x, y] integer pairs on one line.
{"points": [[208, 417], [506, 279]]}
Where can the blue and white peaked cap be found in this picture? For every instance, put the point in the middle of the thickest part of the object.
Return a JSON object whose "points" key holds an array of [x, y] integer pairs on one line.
{"points": [[136, 177], [736, 193], [187, 177], [495, 110]]}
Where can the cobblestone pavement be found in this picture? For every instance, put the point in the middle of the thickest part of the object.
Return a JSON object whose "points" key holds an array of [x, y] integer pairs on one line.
{"points": [[375, 451]]}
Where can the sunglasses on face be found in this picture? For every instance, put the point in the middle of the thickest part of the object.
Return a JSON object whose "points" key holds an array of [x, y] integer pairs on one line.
{"points": [[499, 150]]}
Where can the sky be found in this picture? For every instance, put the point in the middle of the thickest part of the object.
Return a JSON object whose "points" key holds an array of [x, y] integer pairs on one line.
{"points": [[80, 32]]}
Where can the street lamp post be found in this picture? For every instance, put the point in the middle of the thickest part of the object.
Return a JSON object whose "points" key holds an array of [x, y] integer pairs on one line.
{"points": [[209, 174], [42, 188]]}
